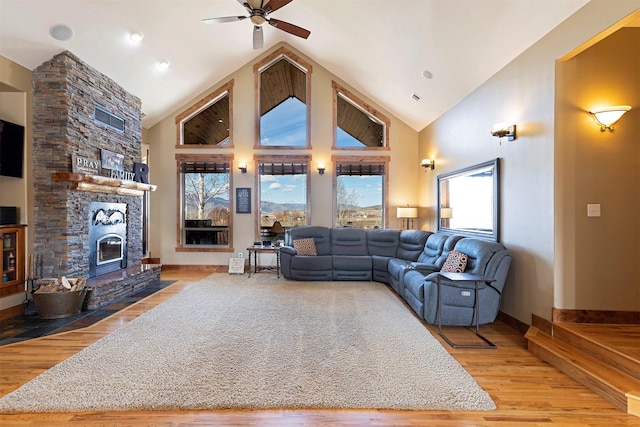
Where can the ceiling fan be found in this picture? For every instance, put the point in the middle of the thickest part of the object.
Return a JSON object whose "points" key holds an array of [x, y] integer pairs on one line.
{"points": [[259, 11]]}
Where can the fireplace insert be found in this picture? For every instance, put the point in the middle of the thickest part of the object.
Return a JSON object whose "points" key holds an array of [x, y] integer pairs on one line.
{"points": [[107, 237]]}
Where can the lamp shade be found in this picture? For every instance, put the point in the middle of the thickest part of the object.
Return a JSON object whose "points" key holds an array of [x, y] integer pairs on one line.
{"points": [[606, 117], [446, 213], [407, 212]]}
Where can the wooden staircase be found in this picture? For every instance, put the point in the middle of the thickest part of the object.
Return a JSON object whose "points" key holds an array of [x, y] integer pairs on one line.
{"points": [[603, 358]]}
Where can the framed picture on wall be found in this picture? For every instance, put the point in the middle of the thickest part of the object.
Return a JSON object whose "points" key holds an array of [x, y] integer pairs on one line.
{"points": [[243, 200], [111, 160]]}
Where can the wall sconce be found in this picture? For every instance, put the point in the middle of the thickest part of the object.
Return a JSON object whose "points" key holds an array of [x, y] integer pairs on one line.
{"points": [[428, 163], [407, 214], [501, 130], [321, 168], [243, 167], [606, 117]]}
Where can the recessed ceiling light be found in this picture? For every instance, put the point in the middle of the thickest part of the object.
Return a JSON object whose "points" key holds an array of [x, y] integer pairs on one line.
{"points": [[136, 37], [427, 74], [164, 64], [61, 32]]}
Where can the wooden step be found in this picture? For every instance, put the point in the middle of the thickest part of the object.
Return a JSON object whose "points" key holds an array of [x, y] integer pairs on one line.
{"points": [[633, 403], [589, 338], [599, 376]]}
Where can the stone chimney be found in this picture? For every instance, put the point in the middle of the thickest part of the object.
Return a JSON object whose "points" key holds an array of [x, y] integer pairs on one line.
{"points": [[66, 94]]}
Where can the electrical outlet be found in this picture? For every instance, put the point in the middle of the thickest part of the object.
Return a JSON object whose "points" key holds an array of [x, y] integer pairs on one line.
{"points": [[593, 209], [465, 293]]}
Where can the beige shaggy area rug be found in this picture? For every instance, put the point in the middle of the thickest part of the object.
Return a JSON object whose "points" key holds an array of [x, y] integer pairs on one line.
{"points": [[261, 342]]}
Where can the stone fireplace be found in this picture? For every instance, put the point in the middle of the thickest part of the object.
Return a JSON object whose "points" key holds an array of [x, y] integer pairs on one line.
{"points": [[67, 96]]}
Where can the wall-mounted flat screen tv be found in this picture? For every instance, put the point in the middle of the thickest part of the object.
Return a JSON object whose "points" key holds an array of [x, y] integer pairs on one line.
{"points": [[11, 149]]}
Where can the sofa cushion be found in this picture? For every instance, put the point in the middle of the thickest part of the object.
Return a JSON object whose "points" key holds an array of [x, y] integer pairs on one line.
{"points": [[308, 268], [351, 267], [348, 241], [413, 290], [396, 268], [383, 242], [321, 236], [379, 272], [449, 245], [305, 247], [433, 248], [479, 253], [455, 263], [411, 244]]}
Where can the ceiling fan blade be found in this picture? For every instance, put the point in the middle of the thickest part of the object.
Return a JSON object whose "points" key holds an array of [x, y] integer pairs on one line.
{"points": [[274, 5], [223, 19], [289, 28], [258, 37]]}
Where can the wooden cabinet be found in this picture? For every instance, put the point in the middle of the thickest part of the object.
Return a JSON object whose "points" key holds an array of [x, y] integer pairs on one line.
{"points": [[12, 260]]}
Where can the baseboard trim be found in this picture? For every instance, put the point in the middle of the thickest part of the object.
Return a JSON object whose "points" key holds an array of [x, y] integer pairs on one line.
{"points": [[11, 311], [206, 268], [542, 324], [595, 316], [512, 322]]}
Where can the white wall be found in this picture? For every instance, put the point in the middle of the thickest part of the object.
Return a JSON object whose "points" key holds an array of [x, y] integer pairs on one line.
{"points": [[15, 106], [405, 168], [522, 93]]}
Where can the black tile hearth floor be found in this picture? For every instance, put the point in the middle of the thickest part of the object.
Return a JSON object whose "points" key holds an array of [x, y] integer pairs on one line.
{"points": [[28, 326]]}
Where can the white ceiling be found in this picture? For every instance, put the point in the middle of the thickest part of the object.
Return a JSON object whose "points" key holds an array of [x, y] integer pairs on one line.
{"points": [[380, 47]]}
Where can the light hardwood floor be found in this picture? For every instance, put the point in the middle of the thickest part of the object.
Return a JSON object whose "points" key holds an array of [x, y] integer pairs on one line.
{"points": [[526, 390]]}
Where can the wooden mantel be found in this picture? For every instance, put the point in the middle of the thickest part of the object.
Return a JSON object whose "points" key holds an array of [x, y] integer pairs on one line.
{"points": [[102, 184]]}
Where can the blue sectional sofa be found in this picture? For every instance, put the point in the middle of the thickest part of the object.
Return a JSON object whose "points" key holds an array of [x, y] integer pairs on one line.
{"points": [[408, 261]]}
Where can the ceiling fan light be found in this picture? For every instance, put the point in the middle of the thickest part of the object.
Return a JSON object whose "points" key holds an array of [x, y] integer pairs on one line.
{"points": [[255, 4], [258, 19]]}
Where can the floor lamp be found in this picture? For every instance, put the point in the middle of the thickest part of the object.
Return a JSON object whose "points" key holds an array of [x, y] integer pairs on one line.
{"points": [[407, 214]]}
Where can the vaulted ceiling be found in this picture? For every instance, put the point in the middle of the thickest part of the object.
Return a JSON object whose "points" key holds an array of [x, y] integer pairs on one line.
{"points": [[383, 48]]}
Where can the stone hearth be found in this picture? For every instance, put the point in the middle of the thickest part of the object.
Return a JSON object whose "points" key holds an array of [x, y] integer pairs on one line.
{"points": [[112, 286]]}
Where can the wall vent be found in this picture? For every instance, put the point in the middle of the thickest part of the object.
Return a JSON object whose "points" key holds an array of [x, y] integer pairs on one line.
{"points": [[106, 118]]}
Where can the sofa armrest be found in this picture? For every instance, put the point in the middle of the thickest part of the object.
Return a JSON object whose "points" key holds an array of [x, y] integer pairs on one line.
{"points": [[423, 268], [288, 250]]}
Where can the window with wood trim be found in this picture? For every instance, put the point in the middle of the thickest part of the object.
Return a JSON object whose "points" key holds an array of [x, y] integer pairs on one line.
{"points": [[209, 122], [283, 193], [357, 126], [205, 220], [360, 192], [283, 100]]}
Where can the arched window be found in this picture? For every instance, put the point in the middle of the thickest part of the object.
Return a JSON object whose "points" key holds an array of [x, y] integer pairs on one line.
{"points": [[208, 122], [283, 100], [357, 125]]}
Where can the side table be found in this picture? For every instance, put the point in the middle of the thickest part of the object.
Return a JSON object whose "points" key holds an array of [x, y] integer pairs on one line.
{"points": [[263, 249], [480, 282]]}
